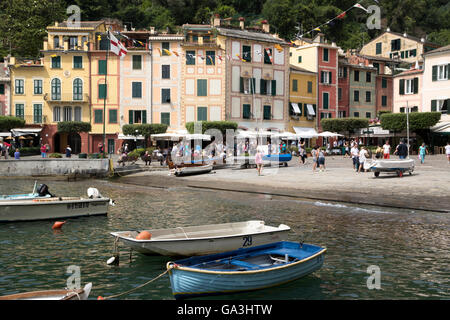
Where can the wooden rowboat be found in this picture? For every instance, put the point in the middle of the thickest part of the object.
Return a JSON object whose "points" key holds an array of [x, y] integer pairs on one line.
{"points": [[78, 294], [192, 170], [206, 239], [245, 269]]}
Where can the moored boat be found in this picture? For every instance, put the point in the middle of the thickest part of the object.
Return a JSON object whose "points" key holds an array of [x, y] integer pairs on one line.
{"points": [[398, 166], [245, 269], [38, 193], [66, 294], [192, 170], [206, 239]]}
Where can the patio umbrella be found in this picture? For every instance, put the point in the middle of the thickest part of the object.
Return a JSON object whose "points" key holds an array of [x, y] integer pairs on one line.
{"points": [[197, 136], [330, 134]]}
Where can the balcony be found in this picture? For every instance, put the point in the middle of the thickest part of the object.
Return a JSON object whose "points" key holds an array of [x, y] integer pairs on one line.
{"points": [[67, 97], [38, 119]]}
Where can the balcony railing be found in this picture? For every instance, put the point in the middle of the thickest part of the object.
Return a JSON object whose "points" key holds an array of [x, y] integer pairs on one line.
{"points": [[35, 119], [67, 97]]}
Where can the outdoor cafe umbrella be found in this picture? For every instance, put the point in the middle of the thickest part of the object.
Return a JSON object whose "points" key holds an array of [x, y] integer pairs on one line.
{"points": [[330, 134], [198, 136]]}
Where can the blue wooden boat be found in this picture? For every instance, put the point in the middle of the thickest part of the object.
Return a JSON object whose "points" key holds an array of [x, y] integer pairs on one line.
{"points": [[283, 158], [245, 269]]}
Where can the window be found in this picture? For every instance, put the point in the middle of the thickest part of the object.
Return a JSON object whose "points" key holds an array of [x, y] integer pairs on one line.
{"points": [[376, 65], [20, 110], [98, 116], [56, 62], [112, 115], [136, 90], [415, 109], [383, 101], [383, 83], [368, 77], [101, 66], [402, 110], [268, 87], [295, 85], [137, 116], [202, 114], [378, 48], [310, 86], [78, 114], [190, 58], [19, 89], [267, 56], [137, 62], [356, 114], [210, 58], [440, 105], [37, 86], [339, 93], [341, 72], [73, 43], [395, 45], [326, 77], [246, 53], [409, 86], [37, 113], [413, 53], [247, 85], [2, 88], [325, 54], [55, 42], [56, 114], [368, 115], [165, 95], [165, 118], [356, 96], [267, 115], [102, 91], [67, 114], [368, 96], [246, 113], [299, 59], [341, 114], [441, 72], [202, 87], [165, 46], [56, 89], [77, 89], [78, 62], [165, 71], [325, 100], [356, 75]]}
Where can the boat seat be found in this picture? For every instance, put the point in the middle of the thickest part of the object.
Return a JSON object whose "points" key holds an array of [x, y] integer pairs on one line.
{"points": [[244, 264], [290, 253]]}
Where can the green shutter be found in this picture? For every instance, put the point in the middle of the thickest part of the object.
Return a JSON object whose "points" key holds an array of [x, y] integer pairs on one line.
{"points": [[330, 77], [384, 101], [263, 86], [137, 89], [267, 113], [448, 71], [300, 107], [102, 92], [101, 66], [325, 54], [310, 86], [322, 76], [433, 105], [202, 114], [325, 98], [130, 116], [77, 62], [294, 85], [435, 72], [241, 85], [202, 89], [112, 115], [137, 62], [144, 116], [165, 118], [402, 86], [384, 83], [274, 87], [378, 48], [98, 116], [416, 85], [2, 88], [246, 111]]}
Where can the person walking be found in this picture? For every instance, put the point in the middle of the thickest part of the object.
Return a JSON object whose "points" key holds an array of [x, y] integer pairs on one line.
{"points": [[355, 156], [379, 152], [68, 152], [363, 154], [386, 150], [447, 151], [259, 160], [321, 160], [401, 150], [422, 151], [302, 151], [314, 154]]}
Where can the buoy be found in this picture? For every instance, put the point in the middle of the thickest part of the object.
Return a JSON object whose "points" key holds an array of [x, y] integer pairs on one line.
{"points": [[58, 224], [100, 298], [144, 235], [113, 261]]}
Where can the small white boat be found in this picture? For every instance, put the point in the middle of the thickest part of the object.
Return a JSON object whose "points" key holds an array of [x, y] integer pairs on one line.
{"points": [[38, 193], [398, 166], [54, 207], [206, 239], [191, 170], [66, 294]]}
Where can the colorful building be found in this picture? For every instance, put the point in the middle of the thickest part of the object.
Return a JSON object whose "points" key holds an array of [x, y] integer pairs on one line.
{"points": [[362, 91], [408, 91], [5, 91], [343, 88]]}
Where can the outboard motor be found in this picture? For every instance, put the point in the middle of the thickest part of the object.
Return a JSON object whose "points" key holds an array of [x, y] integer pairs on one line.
{"points": [[94, 193], [43, 190]]}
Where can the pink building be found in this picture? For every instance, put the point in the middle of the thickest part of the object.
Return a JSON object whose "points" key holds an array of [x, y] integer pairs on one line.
{"points": [[408, 91], [4, 89]]}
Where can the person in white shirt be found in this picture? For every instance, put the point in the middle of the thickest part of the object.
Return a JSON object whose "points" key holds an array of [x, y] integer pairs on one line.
{"points": [[363, 154], [355, 156], [447, 151], [386, 150]]}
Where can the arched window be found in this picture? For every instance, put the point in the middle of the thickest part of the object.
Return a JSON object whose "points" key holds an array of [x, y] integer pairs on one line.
{"points": [[56, 89], [77, 89]]}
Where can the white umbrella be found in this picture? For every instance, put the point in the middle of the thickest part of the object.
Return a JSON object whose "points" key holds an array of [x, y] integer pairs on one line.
{"points": [[286, 135], [166, 136], [330, 134], [197, 136]]}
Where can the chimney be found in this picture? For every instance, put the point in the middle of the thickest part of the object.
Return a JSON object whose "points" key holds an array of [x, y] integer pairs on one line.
{"points": [[241, 23], [216, 20], [265, 26], [152, 30], [56, 23]]}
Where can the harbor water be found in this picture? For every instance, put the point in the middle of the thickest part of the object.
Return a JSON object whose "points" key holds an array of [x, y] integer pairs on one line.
{"points": [[409, 248]]}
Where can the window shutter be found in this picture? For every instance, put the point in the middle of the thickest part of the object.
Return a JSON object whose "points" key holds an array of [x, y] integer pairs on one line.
{"points": [[448, 71], [402, 86], [433, 105], [241, 85], [130, 116], [144, 116], [102, 67], [274, 87], [416, 85], [300, 108], [321, 76], [345, 72], [253, 86], [330, 77], [246, 111], [435, 72]]}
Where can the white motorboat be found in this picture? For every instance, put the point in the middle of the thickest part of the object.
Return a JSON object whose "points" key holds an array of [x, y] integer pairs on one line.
{"points": [[191, 170], [38, 193], [200, 240], [66, 294], [398, 166], [54, 207]]}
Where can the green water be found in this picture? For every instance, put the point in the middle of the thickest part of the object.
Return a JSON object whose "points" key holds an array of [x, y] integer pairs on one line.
{"points": [[410, 248]]}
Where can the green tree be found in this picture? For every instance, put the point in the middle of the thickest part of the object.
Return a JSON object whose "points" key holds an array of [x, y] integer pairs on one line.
{"points": [[7, 123], [73, 127]]}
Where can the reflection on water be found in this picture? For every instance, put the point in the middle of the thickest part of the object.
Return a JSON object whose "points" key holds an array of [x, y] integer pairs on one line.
{"points": [[411, 248]]}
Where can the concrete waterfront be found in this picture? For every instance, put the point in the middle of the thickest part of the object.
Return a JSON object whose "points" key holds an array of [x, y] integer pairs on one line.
{"points": [[426, 189]]}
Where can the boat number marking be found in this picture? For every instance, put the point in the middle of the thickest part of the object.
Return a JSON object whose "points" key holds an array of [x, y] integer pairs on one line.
{"points": [[247, 241], [78, 205]]}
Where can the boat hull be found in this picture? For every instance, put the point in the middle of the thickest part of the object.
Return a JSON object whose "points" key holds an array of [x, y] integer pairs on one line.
{"points": [[187, 282], [193, 241], [52, 208], [186, 171]]}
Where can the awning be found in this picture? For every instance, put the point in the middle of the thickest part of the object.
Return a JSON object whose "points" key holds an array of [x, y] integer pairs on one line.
{"points": [[167, 136], [25, 131], [375, 132], [5, 134], [329, 134], [124, 137], [296, 108], [306, 132], [441, 127], [310, 110], [198, 137]]}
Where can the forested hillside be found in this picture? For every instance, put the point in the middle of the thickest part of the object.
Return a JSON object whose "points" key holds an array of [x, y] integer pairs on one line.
{"points": [[23, 22]]}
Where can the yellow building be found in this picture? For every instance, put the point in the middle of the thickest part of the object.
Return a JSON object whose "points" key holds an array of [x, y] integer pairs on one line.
{"points": [[303, 101]]}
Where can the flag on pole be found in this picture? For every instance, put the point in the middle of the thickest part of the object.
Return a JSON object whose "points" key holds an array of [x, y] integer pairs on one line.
{"points": [[116, 46], [168, 52], [279, 48], [317, 29], [175, 53], [342, 15], [360, 7]]}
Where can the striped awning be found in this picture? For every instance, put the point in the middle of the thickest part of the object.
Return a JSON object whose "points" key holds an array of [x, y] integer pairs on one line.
{"points": [[296, 108]]}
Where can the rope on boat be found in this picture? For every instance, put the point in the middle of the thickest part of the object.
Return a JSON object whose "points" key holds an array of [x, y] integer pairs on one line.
{"points": [[131, 290]]}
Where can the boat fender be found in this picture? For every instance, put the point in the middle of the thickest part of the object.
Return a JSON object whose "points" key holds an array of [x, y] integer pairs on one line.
{"points": [[100, 298], [93, 193], [144, 235], [58, 225]]}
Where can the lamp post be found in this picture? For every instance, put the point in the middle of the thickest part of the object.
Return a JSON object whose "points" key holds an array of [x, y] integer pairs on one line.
{"points": [[407, 126]]}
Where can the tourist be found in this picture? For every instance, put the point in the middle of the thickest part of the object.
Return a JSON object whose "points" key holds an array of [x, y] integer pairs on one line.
{"points": [[100, 147], [362, 158], [68, 152], [379, 152], [447, 151], [125, 149], [347, 149], [147, 158], [302, 151], [43, 151], [355, 156], [314, 154], [386, 150], [259, 160], [401, 150], [17, 154], [321, 159], [422, 151]]}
